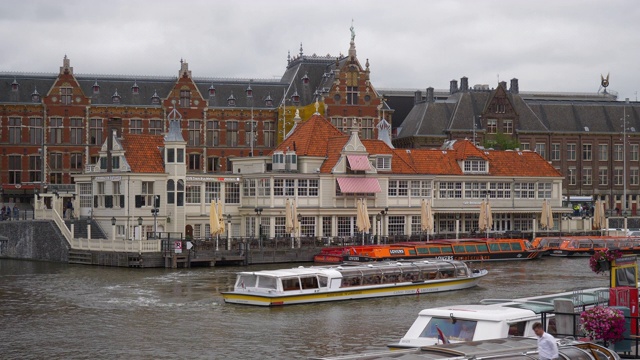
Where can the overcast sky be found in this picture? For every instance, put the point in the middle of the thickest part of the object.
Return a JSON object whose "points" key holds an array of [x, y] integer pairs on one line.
{"points": [[549, 45]]}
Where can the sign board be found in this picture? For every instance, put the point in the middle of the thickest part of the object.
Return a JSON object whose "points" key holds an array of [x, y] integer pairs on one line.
{"points": [[178, 247]]}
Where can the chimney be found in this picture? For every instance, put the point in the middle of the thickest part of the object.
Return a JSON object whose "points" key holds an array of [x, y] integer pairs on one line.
{"points": [[464, 84], [417, 97], [514, 86], [453, 86], [503, 84], [430, 97]]}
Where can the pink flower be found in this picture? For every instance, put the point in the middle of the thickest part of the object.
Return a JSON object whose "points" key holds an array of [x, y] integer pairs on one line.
{"points": [[600, 256], [603, 323]]}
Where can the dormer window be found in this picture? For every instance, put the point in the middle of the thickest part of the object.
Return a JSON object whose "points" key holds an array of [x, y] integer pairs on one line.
{"points": [[268, 101], [155, 99], [305, 79], [135, 89], [249, 91], [231, 100], [295, 98], [115, 98], [212, 90], [96, 87], [14, 85], [35, 96], [383, 163], [475, 166]]}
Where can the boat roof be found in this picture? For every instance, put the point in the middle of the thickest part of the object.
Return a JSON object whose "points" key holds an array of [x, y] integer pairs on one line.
{"points": [[478, 312], [336, 270]]}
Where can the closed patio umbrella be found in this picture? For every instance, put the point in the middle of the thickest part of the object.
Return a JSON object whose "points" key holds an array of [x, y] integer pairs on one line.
{"points": [[294, 218], [221, 227], [288, 218], [544, 218], [486, 219], [365, 216], [599, 219], [550, 223], [214, 224], [426, 217]]}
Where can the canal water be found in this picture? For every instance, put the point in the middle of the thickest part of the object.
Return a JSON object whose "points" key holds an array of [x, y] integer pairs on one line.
{"points": [[51, 310]]}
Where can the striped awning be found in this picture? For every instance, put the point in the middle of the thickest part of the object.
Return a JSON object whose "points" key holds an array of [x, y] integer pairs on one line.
{"points": [[359, 185], [359, 162]]}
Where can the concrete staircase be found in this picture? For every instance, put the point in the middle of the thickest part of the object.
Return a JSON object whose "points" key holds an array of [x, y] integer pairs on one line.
{"points": [[80, 228]]}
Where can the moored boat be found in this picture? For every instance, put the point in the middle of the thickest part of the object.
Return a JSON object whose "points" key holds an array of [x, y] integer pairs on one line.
{"points": [[493, 318], [525, 348], [485, 249], [350, 281], [576, 246]]}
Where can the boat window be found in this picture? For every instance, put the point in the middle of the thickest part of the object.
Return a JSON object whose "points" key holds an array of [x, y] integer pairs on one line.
{"points": [[494, 247], [505, 246], [350, 281], [516, 246], [246, 280], [435, 250], [517, 329], [458, 248], [461, 330], [470, 248], [461, 272], [267, 282], [412, 251], [323, 281], [482, 247], [429, 275], [446, 250], [309, 282], [424, 250], [413, 275], [290, 284]]}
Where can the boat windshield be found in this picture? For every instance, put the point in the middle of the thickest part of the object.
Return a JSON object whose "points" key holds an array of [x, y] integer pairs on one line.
{"points": [[452, 329]]}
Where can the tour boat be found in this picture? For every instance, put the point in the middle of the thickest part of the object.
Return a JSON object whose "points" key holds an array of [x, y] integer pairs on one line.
{"points": [[485, 249], [525, 348], [350, 281], [496, 318], [575, 246]]}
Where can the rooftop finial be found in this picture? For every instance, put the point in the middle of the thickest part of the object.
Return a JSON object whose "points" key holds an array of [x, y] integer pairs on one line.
{"points": [[301, 49], [353, 32], [317, 107]]}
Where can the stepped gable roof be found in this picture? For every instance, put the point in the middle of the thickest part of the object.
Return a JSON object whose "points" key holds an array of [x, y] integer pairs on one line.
{"points": [[311, 137], [143, 152], [519, 163]]}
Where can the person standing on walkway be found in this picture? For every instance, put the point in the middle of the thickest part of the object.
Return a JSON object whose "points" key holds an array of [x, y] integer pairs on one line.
{"points": [[16, 212], [547, 346]]}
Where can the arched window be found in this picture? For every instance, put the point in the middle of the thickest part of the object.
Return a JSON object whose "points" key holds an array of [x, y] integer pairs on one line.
{"points": [[180, 192]]}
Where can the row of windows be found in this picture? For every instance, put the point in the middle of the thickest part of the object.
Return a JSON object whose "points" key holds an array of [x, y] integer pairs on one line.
{"points": [[493, 190], [589, 153], [603, 176], [77, 130], [281, 187]]}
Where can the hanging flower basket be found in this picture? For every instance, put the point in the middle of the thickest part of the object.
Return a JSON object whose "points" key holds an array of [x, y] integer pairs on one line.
{"points": [[601, 260], [603, 324]]}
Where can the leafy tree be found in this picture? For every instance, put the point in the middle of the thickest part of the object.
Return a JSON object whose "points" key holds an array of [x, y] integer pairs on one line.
{"points": [[501, 142]]}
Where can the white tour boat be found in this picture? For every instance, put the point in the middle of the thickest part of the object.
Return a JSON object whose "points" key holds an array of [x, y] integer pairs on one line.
{"points": [[350, 281], [496, 318]]}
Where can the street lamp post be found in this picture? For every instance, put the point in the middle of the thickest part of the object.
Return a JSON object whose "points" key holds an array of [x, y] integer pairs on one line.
{"points": [[457, 226], [154, 212], [113, 228], [228, 232], [382, 214], [258, 211], [378, 227], [140, 225], [299, 230]]}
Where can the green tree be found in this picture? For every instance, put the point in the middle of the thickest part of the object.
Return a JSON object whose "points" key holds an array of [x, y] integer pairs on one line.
{"points": [[501, 142]]}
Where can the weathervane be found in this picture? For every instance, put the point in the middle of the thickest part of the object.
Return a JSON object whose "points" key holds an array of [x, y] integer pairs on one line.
{"points": [[604, 82]]}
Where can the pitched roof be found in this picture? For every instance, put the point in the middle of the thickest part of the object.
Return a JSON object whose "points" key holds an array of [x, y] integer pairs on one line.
{"points": [[143, 152], [519, 163], [311, 137]]}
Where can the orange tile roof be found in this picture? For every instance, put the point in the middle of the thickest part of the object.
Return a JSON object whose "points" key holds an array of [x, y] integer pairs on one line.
{"points": [[142, 152], [311, 137], [318, 137]]}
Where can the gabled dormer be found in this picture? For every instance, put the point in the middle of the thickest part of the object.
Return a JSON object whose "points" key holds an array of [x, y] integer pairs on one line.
{"points": [[354, 158], [499, 114], [470, 158], [112, 155], [66, 90]]}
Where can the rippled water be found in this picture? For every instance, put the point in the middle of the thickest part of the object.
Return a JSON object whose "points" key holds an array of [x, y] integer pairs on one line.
{"points": [[70, 311]]}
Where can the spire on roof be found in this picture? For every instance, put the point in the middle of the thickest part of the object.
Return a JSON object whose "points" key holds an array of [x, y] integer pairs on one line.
{"points": [[288, 57], [301, 49], [66, 66]]}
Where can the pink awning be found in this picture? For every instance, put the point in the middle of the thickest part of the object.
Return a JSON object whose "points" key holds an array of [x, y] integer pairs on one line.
{"points": [[359, 162], [359, 185]]}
